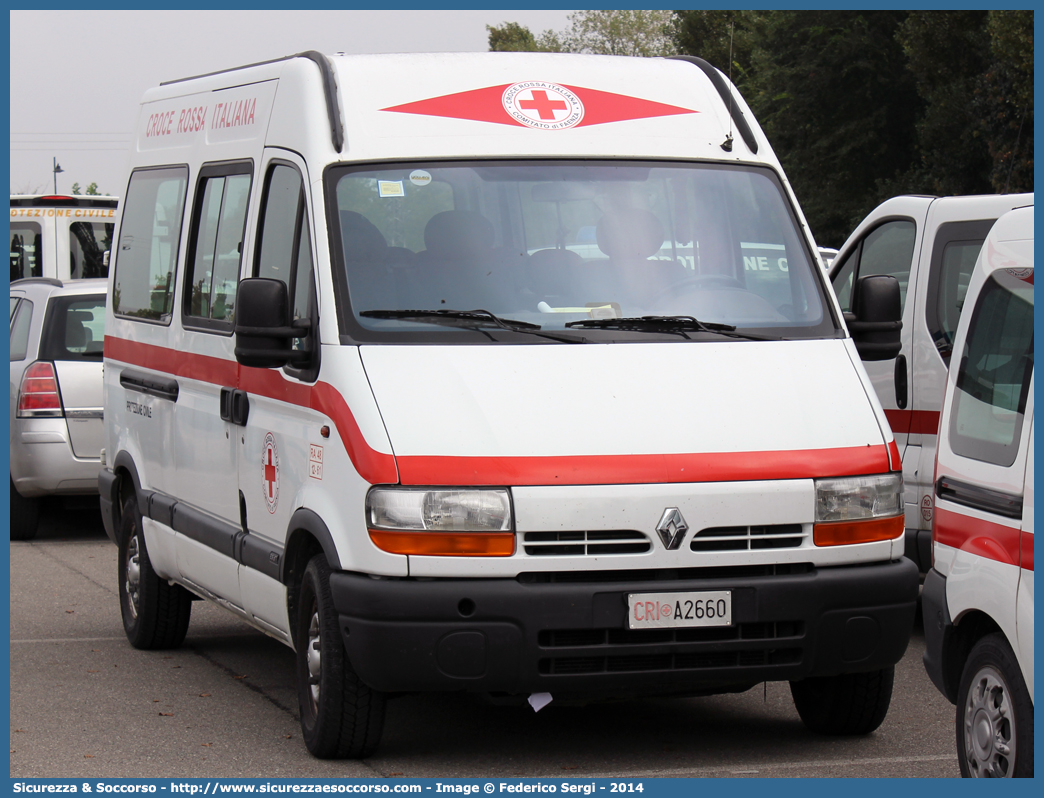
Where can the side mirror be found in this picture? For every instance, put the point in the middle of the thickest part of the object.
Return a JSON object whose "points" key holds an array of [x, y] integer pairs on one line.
{"points": [[263, 331], [876, 325]]}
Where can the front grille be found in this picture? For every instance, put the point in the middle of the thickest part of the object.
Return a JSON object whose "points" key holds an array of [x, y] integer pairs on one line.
{"points": [[592, 543], [589, 638], [621, 650], [666, 574], [745, 538]]}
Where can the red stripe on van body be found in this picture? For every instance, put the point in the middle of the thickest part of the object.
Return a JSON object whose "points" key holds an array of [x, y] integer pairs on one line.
{"points": [[982, 538], [893, 456], [379, 468], [1027, 551], [915, 422], [643, 468], [373, 466]]}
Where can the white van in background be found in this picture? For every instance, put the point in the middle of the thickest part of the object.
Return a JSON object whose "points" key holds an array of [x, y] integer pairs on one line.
{"points": [[61, 236], [930, 245], [978, 596], [509, 373]]}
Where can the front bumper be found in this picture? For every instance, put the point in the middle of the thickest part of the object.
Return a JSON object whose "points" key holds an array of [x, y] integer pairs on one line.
{"points": [[567, 634], [937, 629]]}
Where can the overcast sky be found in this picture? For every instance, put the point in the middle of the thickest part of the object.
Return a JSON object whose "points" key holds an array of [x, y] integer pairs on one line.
{"points": [[77, 76]]}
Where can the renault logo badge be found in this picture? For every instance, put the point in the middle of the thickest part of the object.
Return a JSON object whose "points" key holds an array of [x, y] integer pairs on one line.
{"points": [[672, 528]]}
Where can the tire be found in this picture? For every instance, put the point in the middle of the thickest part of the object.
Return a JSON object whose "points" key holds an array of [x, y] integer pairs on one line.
{"points": [[25, 515], [341, 718], [994, 714], [849, 703], [155, 613]]}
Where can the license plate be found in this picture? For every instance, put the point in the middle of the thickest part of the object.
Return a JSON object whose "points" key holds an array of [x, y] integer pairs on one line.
{"points": [[674, 610]]}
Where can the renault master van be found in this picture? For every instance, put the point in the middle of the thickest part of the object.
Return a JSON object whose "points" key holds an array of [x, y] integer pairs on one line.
{"points": [[503, 373], [61, 237], [978, 596], [929, 244]]}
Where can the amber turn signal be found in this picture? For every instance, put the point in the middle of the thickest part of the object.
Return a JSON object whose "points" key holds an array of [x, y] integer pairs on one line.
{"points": [[443, 544], [840, 533]]}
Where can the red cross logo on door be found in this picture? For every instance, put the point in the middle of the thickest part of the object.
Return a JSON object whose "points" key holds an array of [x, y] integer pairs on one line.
{"points": [[270, 472], [543, 105]]}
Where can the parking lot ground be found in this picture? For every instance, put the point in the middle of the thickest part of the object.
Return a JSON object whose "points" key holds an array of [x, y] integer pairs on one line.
{"points": [[84, 704]]}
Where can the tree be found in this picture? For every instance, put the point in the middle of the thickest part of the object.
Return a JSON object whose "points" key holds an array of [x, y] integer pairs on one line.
{"points": [[511, 37], [92, 190], [718, 36], [947, 53], [635, 33], [644, 33], [833, 94], [1005, 100]]}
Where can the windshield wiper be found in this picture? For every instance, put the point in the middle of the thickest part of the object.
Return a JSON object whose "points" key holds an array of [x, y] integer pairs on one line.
{"points": [[668, 324], [473, 319]]}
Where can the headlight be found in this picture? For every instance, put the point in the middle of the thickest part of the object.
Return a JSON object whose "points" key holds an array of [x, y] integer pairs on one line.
{"points": [[439, 522], [858, 509]]}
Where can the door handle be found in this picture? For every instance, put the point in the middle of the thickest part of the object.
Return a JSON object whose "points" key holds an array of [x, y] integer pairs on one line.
{"points": [[235, 406], [902, 383]]}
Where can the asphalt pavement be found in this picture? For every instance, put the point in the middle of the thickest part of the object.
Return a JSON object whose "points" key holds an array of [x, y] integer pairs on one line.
{"points": [[85, 704]]}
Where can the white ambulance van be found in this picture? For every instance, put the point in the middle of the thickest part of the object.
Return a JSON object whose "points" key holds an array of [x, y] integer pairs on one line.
{"points": [[929, 244], [978, 596], [507, 373], [61, 236]]}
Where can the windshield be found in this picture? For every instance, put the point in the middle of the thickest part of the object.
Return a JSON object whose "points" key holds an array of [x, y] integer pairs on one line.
{"points": [[554, 243]]}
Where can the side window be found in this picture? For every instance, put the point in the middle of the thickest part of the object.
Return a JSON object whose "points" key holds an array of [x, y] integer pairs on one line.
{"points": [[21, 317], [996, 368], [887, 249], [284, 249], [844, 279], [25, 250], [88, 242], [954, 253], [74, 328], [216, 245], [147, 253]]}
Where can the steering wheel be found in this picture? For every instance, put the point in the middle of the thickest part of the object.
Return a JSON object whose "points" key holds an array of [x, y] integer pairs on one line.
{"points": [[698, 283]]}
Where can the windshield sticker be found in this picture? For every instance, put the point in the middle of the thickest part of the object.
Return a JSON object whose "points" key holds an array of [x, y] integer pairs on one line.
{"points": [[390, 188], [419, 177], [540, 105], [270, 472]]}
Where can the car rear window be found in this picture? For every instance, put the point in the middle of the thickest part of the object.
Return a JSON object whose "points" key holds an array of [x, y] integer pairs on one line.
{"points": [[21, 318], [74, 328]]}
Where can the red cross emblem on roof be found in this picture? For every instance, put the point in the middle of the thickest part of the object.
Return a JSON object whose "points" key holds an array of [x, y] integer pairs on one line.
{"points": [[539, 104], [543, 104]]}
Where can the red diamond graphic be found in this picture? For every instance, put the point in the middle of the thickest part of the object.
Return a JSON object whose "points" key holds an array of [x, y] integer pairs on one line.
{"points": [[487, 105]]}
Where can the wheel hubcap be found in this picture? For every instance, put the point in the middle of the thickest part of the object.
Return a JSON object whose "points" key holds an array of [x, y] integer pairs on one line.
{"points": [[314, 657], [989, 726], [132, 585]]}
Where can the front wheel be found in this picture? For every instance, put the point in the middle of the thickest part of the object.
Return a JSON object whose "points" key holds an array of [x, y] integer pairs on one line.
{"points": [[994, 714], [155, 613], [341, 718], [849, 703]]}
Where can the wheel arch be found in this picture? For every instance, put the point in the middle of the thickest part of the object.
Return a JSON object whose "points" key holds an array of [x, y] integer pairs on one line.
{"points": [[967, 630], [307, 536], [125, 483]]}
